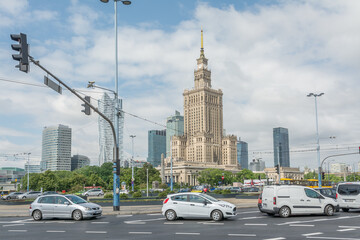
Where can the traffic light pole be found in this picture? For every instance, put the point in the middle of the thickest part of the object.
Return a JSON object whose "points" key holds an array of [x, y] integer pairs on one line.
{"points": [[337, 155], [116, 169]]}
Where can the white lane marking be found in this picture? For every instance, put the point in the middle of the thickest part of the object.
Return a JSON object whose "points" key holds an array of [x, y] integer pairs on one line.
{"points": [[318, 220], [255, 224], [301, 225], [55, 231], [11, 225], [346, 229], [120, 216], [180, 233], [147, 220], [211, 223], [312, 234], [99, 222], [17, 230], [245, 218], [134, 222], [334, 238], [349, 226], [140, 232], [241, 235], [175, 223], [279, 238], [154, 214], [96, 232]]}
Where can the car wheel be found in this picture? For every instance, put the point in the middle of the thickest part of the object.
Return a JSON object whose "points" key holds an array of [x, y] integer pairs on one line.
{"points": [[77, 215], [170, 215], [37, 215], [86, 195], [345, 209], [329, 210], [7, 198], [23, 197], [284, 212], [217, 215]]}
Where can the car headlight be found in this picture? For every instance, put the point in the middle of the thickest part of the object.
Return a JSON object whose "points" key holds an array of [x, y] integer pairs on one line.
{"points": [[88, 209]]}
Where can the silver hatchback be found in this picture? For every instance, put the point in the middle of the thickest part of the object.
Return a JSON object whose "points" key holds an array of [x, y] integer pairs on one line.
{"points": [[63, 206]]}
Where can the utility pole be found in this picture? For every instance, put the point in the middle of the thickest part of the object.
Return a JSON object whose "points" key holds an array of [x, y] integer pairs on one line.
{"points": [[147, 182]]}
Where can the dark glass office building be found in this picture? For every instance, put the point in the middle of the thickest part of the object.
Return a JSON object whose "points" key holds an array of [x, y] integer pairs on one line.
{"points": [[242, 154], [156, 146], [281, 147]]}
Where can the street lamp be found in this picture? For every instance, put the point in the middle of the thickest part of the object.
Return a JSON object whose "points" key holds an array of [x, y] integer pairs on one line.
{"points": [[28, 171], [116, 184], [317, 134], [132, 163]]}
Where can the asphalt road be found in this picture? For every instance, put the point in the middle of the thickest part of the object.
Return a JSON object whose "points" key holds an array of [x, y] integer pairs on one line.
{"points": [[248, 224]]}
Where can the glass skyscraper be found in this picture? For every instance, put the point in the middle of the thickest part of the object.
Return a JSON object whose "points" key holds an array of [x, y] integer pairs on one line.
{"points": [[174, 127], [281, 147], [156, 146], [106, 141], [242, 154], [56, 148]]}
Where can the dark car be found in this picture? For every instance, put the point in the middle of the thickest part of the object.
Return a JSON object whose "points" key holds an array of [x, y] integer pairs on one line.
{"points": [[49, 192], [327, 192]]}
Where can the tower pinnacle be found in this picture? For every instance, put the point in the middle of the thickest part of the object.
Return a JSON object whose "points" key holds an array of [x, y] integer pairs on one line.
{"points": [[202, 45]]}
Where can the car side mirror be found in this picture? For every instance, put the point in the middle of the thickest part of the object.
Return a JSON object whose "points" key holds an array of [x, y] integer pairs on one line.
{"points": [[66, 203], [205, 202]]}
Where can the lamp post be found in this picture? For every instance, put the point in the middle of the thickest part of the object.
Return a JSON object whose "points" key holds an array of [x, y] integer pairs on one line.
{"points": [[317, 134], [147, 182], [28, 171], [116, 182], [132, 163]]}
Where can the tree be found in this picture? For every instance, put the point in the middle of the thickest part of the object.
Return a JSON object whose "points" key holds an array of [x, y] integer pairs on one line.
{"points": [[213, 176]]}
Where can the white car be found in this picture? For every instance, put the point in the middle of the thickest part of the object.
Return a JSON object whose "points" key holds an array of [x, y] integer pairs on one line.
{"points": [[93, 192], [348, 195], [29, 195], [289, 200], [196, 205]]}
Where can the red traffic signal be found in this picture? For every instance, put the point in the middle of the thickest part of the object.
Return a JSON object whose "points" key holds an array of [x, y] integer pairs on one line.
{"points": [[222, 177]]}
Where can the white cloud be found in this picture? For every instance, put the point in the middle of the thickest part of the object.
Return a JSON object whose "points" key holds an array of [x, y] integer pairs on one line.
{"points": [[265, 60]]}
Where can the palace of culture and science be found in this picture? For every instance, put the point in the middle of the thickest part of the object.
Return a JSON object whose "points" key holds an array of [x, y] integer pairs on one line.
{"points": [[203, 144]]}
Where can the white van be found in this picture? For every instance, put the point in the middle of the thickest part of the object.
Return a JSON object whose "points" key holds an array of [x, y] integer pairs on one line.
{"points": [[287, 200], [348, 195]]}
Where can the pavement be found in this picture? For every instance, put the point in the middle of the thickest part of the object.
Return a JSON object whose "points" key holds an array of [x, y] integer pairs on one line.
{"points": [[22, 210]]}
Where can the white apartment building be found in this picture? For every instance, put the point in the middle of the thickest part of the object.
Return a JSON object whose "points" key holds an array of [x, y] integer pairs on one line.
{"points": [[338, 168], [56, 148]]}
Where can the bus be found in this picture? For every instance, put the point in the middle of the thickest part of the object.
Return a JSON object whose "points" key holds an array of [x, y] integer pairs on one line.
{"points": [[311, 183]]}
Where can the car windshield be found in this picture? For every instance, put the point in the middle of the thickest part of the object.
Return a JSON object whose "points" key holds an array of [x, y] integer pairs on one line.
{"points": [[76, 199], [209, 198]]}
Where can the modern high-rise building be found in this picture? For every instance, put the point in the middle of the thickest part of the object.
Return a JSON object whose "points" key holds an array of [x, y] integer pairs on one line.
{"points": [[106, 141], [203, 144], [33, 168], [156, 146], [79, 161], [174, 127], [281, 147], [242, 154], [56, 148]]}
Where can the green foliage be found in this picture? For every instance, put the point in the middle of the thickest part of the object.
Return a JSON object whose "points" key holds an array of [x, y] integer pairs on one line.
{"points": [[245, 174], [123, 196], [137, 195], [311, 175], [162, 194], [217, 191], [109, 195], [226, 191], [213, 176]]}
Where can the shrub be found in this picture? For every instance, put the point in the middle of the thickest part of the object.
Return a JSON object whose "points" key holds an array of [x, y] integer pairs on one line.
{"points": [[217, 191], [162, 194], [124, 196], [137, 195], [226, 191], [171, 192], [131, 192], [108, 195]]}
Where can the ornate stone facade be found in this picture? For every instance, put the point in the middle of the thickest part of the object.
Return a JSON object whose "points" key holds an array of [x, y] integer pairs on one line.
{"points": [[203, 144]]}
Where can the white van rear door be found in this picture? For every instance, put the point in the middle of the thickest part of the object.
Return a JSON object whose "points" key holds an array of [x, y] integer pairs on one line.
{"points": [[268, 197]]}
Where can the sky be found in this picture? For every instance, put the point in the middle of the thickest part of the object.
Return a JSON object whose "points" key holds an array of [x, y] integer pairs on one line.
{"points": [[266, 56]]}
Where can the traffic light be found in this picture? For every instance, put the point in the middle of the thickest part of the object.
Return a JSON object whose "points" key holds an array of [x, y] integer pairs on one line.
{"points": [[87, 109], [277, 168], [23, 48], [359, 149], [322, 175]]}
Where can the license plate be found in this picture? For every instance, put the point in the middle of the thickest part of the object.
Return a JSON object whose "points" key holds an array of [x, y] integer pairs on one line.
{"points": [[349, 200]]}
